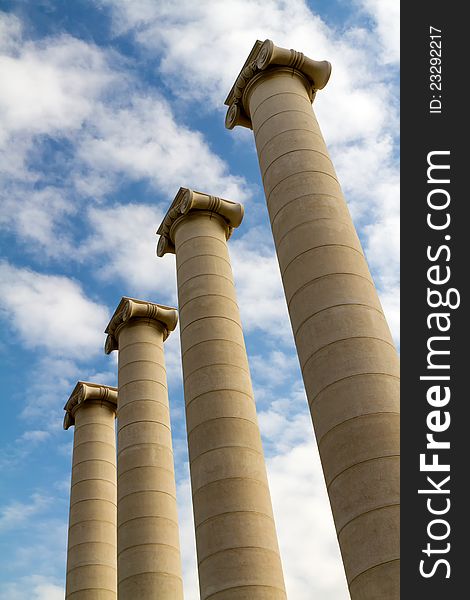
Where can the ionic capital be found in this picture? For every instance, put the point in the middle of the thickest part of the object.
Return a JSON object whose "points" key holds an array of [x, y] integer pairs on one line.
{"points": [[88, 392], [130, 309], [264, 57], [187, 201]]}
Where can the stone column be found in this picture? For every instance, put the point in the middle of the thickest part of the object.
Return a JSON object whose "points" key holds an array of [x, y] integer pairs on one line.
{"points": [[149, 563], [238, 555], [91, 552], [348, 359]]}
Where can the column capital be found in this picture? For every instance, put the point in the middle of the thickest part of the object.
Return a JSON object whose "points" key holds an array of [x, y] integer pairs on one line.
{"points": [[187, 200], [86, 392], [129, 309], [265, 57]]}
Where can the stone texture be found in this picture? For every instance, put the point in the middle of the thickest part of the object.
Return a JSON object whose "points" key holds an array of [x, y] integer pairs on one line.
{"points": [[349, 363], [91, 551], [238, 555], [149, 562]]}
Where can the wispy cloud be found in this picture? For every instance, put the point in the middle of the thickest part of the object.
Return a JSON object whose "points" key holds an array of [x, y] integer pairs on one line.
{"points": [[51, 312], [16, 513]]}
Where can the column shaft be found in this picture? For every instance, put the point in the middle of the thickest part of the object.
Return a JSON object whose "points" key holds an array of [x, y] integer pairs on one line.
{"points": [[348, 359], [238, 555], [91, 554], [149, 564]]}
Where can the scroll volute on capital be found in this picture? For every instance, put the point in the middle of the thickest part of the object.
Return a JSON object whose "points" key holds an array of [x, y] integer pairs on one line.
{"points": [[231, 211], [318, 71]]}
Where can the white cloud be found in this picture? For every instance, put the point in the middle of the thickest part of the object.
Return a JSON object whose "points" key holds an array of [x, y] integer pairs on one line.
{"points": [[123, 239], [386, 14], [37, 217], [34, 436], [32, 587], [51, 312], [309, 550], [258, 284], [17, 513], [114, 129], [187, 538], [143, 140], [50, 87], [10, 32]]}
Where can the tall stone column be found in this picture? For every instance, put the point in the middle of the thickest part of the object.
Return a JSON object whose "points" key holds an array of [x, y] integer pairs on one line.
{"points": [[149, 563], [91, 552], [348, 359], [238, 555]]}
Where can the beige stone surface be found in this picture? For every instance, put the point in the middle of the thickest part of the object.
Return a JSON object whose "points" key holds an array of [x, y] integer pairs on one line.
{"points": [[91, 551], [238, 555], [349, 363], [149, 562]]}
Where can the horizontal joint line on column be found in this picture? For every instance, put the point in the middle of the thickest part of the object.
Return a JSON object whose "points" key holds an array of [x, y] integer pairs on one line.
{"points": [[113, 446], [146, 492], [366, 512], [142, 421], [141, 380], [361, 462], [300, 173], [213, 340], [296, 174], [211, 317], [283, 272], [248, 585], [172, 575], [315, 194], [93, 500], [140, 343], [140, 361], [385, 562], [205, 295], [113, 483], [164, 469], [337, 306], [90, 565], [147, 517], [148, 544], [369, 414], [93, 460], [218, 418], [92, 521], [235, 512], [352, 337], [139, 444], [212, 237], [94, 423], [308, 222], [199, 256], [240, 447], [91, 542], [135, 401], [351, 377], [218, 364], [252, 115], [263, 174], [219, 390], [260, 150], [70, 594], [312, 281], [263, 548], [132, 404], [303, 112], [181, 285], [259, 481]]}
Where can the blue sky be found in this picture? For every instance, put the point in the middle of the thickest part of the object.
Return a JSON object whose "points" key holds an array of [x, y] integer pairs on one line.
{"points": [[107, 108]]}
